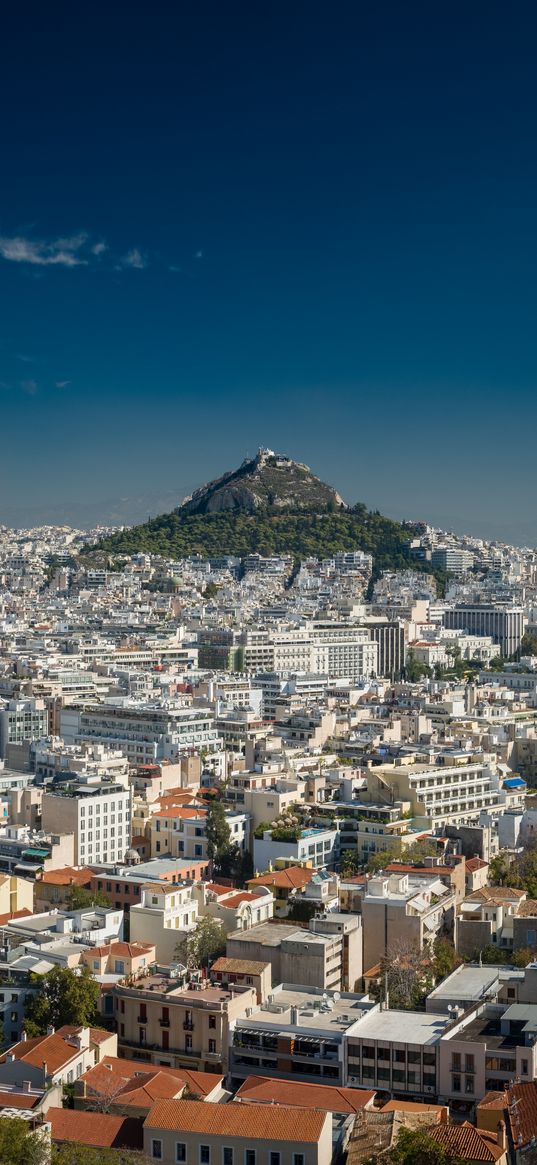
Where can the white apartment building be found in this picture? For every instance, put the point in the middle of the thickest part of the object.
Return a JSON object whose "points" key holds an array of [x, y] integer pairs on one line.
{"points": [[22, 720], [505, 624], [98, 815], [445, 793], [146, 732]]}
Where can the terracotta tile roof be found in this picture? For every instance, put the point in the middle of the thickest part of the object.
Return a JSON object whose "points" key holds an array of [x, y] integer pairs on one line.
{"points": [[408, 868], [67, 876], [496, 894], [493, 1100], [290, 879], [527, 909], [215, 888], [474, 864], [95, 1128], [325, 1097], [182, 811], [139, 1084], [128, 950], [255, 1121], [54, 1049], [239, 966], [522, 1111], [236, 900], [18, 1100], [5, 918], [467, 1142]]}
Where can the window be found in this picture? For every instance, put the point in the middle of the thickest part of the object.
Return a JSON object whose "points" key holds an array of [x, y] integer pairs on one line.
{"points": [[180, 1151], [469, 1064], [274, 1159], [227, 1156], [469, 1086], [249, 1157], [298, 1159], [212, 1045], [205, 1155], [212, 1021], [156, 1150], [456, 1084], [524, 1067]]}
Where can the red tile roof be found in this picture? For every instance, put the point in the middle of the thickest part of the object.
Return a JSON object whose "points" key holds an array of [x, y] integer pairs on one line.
{"points": [[522, 1111], [264, 1122], [466, 1142], [474, 864], [139, 1084], [290, 879], [67, 876], [325, 1097], [95, 1128], [5, 918]]}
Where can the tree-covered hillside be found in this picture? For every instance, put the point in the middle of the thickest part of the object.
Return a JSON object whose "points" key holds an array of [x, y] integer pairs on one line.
{"points": [[299, 533]]}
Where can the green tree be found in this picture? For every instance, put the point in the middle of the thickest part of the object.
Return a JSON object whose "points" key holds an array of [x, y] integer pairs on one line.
{"points": [[72, 1153], [211, 591], [445, 958], [63, 998], [415, 1147], [203, 944], [528, 644], [79, 898], [350, 863], [414, 669], [379, 861], [20, 1146], [217, 831]]}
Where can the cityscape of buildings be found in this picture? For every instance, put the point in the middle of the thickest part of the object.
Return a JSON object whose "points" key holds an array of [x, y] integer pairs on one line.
{"points": [[284, 817]]}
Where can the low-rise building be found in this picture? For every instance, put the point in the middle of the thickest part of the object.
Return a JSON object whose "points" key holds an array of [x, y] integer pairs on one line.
{"points": [[161, 1021], [236, 1134]]}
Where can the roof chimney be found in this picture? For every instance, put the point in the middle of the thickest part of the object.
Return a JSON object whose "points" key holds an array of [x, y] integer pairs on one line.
{"points": [[26, 1086], [24, 1037], [51, 1030], [502, 1136]]}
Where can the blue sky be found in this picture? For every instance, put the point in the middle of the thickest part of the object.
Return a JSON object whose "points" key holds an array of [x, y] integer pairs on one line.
{"points": [[307, 226]]}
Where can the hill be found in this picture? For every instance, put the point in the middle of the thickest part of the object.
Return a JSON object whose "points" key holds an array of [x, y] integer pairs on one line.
{"points": [[270, 505], [268, 480]]}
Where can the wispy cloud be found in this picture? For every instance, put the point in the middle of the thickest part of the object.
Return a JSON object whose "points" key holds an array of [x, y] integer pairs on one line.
{"points": [[99, 248], [63, 383], [30, 387], [134, 258], [39, 253], [198, 255]]}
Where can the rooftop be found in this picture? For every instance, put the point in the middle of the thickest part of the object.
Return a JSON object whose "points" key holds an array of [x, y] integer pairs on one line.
{"points": [[405, 1027], [262, 1122], [318, 1012]]}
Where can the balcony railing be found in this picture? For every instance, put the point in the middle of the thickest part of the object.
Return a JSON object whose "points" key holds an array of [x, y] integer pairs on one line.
{"points": [[188, 1025], [142, 1019], [164, 1022]]}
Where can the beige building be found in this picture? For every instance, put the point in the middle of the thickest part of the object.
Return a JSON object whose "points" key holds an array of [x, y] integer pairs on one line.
{"points": [[15, 894], [162, 1022], [184, 1131], [119, 958], [398, 909], [327, 956], [163, 918], [226, 972]]}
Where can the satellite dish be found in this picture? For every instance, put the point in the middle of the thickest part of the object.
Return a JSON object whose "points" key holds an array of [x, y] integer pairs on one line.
{"points": [[336, 996], [325, 995]]}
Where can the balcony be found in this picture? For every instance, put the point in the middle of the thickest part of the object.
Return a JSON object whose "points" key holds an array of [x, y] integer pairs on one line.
{"points": [[142, 1019], [188, 1025], [164, 1022]]}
